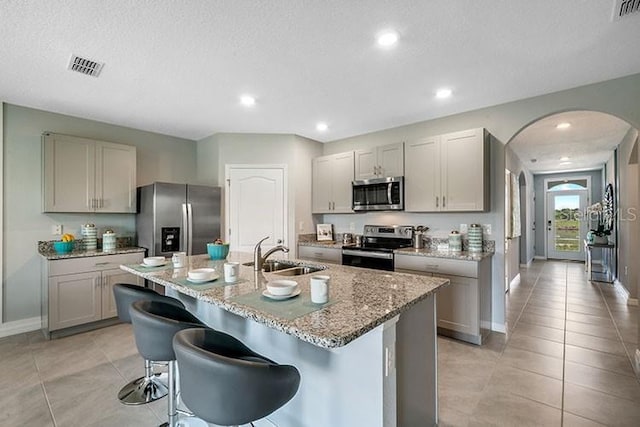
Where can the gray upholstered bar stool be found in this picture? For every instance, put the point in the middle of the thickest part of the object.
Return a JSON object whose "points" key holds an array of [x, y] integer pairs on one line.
{"points": [[150, 387], [225, 383], [154, 325]]}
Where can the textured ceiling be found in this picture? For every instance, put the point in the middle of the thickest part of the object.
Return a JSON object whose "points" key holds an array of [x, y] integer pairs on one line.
{"points": [[179, 67], [588, 143]]}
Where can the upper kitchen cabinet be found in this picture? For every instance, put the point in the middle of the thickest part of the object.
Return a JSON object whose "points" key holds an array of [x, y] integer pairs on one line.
{"points": [[84, 175], [378, 162], [332, 177], [448, 173]]}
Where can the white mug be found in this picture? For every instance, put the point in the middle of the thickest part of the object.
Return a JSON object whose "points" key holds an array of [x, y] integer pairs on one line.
{"points": [[231, 271], [179, 259], [320, 289]]}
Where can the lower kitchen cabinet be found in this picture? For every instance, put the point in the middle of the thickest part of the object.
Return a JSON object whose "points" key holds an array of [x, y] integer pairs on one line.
{"points": [[79, 291], [315, 253], [463, 308]]}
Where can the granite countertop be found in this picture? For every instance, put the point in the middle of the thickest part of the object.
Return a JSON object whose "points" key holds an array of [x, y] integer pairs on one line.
{"points": [[434, 253], [330, 244], [363, 298], [51, 254]]}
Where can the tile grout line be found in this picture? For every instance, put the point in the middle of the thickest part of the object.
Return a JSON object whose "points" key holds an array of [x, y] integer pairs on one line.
{"points": [[564, 343], [615, 325]]}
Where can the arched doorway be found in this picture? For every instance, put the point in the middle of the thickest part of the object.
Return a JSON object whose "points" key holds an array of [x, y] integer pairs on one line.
{"points": [[593, 143]]}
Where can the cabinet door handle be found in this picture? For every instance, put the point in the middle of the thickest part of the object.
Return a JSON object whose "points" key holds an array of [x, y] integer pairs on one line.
{"points": [[437, 205], [101, 202], [329, 205], [334, 205]]}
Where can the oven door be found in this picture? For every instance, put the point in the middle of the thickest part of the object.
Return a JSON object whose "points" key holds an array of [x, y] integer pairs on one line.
{"points": [[368, 259]]}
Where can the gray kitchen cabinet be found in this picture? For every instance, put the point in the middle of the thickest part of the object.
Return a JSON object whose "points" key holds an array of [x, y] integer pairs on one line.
{"points": [[448, 173], [463, 308], [79, 291], [315, 253], [331, 183], [84, 175], [378, 162]]}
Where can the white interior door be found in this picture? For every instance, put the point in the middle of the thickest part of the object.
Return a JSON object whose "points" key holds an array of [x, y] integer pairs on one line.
{"points": [[566, 227], [256, 206]]}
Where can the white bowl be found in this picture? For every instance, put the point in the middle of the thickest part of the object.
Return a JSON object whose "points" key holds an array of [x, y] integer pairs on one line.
{"points": [[154, 260], [201, 273], [281, 287]]}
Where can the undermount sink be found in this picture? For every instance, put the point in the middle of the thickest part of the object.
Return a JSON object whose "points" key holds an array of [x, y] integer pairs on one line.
{"points": [[285, 268]]}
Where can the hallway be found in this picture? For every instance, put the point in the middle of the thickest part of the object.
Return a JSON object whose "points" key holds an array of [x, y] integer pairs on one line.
{"points": [[567, 361]]}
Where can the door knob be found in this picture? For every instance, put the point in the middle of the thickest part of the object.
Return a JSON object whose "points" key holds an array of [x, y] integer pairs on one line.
{"points": [[279, 241]]}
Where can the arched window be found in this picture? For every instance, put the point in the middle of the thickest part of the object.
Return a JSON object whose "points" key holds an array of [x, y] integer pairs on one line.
{"points": [[567, 184]]}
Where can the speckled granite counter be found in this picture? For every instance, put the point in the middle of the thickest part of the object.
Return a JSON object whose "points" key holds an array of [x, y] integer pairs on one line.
{"points": [[364, 298], [51, 254], [431, 253], [316, 244]]}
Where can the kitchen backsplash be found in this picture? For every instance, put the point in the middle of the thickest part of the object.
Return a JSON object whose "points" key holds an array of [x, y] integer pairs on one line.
{"points": [[433, 243], [121, 242]]}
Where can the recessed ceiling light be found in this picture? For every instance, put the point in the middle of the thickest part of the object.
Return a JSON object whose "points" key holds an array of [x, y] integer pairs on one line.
{"points": [[563, 125], [247, 100], [322, 127], [564, 159], [388, 38], [443, 93], [564, 163]]}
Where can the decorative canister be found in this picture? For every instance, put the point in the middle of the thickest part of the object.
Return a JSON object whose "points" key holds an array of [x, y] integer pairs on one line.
{"points": [[90, 237], [108, 241], [474, 234], [455, 241]]}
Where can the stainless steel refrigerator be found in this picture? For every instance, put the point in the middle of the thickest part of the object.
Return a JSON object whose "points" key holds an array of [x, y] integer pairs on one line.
{"points": [[177, 217]]}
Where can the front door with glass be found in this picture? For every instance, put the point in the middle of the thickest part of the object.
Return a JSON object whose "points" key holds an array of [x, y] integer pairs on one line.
{"points": [[566, 225]]}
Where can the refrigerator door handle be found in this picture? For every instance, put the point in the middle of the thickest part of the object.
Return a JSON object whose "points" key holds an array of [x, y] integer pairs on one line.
{"points": [[185, 238], [190, 221]]}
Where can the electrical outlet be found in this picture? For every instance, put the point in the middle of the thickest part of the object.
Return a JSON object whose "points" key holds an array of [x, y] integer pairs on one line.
{"points": [[301, 226], [487, 229], [389, 361], [56, 229], [463, 228]]}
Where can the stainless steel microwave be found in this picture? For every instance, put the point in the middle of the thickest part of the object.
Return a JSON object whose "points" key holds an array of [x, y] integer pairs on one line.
{"points": [[379, 194]]}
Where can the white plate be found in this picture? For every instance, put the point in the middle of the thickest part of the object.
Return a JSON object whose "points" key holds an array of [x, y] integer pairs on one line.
{"points": [[211, 278], [281, 297], [153, 266], [201, 274]]}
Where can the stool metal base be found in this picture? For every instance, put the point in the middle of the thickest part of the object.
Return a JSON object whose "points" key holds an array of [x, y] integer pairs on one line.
{"points": [[146, 389]]}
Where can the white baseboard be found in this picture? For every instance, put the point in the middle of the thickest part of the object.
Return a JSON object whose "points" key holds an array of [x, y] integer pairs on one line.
{"points": [[540, 257], [527, 264], [632, 301], [498, 327], [515, 281], [20, 326]]}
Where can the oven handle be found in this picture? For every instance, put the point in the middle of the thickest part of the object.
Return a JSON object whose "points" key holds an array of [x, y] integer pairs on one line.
{"points": [[367, 254]]}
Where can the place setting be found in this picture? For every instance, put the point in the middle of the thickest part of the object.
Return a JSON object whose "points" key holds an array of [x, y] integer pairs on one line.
{"points": [[284, 298], [153, 263], [208, 277]]}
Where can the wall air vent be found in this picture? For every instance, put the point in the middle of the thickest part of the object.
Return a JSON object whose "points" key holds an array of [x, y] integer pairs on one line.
{"points": [[87, 66], [623, 8]]}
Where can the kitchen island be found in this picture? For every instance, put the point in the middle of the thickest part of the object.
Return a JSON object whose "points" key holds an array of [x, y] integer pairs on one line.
{"points": [[368, 357]]}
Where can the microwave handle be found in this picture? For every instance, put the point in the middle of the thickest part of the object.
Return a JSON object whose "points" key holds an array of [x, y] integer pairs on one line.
{"points": [[389, 193]]}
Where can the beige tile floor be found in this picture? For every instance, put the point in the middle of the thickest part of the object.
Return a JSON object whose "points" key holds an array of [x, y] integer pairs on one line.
{"points": [[566, 362]]}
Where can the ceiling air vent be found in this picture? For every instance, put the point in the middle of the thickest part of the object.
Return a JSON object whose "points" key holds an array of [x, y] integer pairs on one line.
{"points": [[87, 66], [622, 8]]}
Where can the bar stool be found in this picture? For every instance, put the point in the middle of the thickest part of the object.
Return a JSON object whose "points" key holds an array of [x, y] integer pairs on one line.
{"points": [[154, 325], [225, 383], [151, 386]]}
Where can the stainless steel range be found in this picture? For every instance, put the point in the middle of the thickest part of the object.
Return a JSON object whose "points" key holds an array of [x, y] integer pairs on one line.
{"points": [[378, 244]]}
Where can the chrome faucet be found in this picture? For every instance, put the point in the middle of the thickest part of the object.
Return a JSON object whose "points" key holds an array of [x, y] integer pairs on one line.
{"points": [[258, 259]]}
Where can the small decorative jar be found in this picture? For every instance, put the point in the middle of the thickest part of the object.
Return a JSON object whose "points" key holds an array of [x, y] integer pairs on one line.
{"points": [[109, 241], [474, 234], [455, 241], [90, 237]]}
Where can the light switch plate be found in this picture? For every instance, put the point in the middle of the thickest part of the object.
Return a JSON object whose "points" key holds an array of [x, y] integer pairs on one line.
{"points": [[56, 229], [463, 228], [487, 229]]}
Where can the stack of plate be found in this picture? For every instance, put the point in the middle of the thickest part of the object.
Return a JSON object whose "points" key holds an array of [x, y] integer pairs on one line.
{"points": [[90, 237]]}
